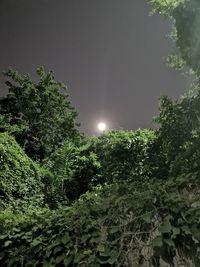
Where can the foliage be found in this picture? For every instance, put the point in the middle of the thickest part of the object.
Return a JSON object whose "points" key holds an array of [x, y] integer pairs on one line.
{"points": [[20, 178], [39, 115], [187, 23], [137, 192], [73, 167], [123, 155], [118, 225], [178, 135], [185, 15], [166, 7]]}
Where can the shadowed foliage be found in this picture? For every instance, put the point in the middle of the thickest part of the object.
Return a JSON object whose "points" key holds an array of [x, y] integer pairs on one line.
{"points": [[39, 115]]}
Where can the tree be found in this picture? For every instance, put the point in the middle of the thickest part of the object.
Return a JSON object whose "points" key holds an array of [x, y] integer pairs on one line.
{"points": [[178, 136], [185, 15], [179, 133], [39, 115]]}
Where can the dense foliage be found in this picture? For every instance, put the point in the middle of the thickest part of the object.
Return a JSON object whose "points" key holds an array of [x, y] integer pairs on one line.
{"points": [[136, 219], [21, 179], [125, 198], [39, 115], [123, 155], [119, 225], [73, 168], [185, 15], [178, 136]]}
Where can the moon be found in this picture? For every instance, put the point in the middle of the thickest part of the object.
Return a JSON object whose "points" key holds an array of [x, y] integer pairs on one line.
{"points": [[101, 126]]}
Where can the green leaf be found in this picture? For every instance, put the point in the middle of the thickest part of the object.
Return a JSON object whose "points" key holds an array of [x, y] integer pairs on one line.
{"points": [[57, 249], [165, 227], [68, 259], [36, 242], [158, 242], [176, 231], [65, 239], [147, 217], [7, 243], [87, 252], [186, 229], [169, 242], [60, 258], [101, 248], [114, 229]]}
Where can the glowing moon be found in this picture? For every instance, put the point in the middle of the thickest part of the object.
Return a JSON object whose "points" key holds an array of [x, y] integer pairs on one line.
{"points": [[101, 126]]}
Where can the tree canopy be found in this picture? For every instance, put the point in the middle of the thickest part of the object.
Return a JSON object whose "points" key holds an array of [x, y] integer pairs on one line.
{"points": [[39, 115], [185, 15]]}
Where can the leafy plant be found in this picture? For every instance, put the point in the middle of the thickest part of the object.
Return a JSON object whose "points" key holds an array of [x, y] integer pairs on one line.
{"points": [[39, 115], [73, 167], [123, 155], [116, 225], [21, 179], [178, 135]]}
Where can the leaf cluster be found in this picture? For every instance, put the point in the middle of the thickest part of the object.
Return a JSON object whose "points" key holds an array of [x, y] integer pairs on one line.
{"points": [[21, 179], [39, 115], [120, 225]]}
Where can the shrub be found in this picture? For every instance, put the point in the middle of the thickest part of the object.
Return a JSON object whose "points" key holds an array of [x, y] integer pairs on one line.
{"points": [[20, 178], [73, 167], [116, 225], [123, 155]]}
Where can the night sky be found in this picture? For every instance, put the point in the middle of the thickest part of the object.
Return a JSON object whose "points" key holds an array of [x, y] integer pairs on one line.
{"points": [[110, 53]]}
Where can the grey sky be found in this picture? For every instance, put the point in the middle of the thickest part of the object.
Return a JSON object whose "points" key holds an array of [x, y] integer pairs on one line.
{"points": [[110, 53]]}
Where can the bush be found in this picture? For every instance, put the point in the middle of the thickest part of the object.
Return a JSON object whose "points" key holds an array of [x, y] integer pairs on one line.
{"points": [[123, 155], [116, 225], [73, 167], [20, 178]]}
